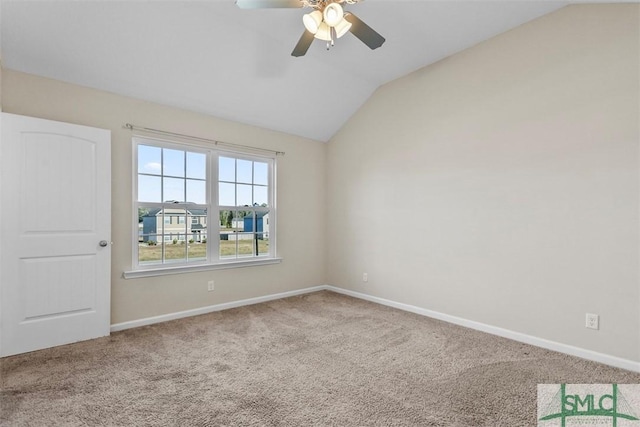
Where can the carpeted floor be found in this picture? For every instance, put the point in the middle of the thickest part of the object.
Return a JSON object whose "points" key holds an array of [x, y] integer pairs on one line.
{"points": [[314, 360]]}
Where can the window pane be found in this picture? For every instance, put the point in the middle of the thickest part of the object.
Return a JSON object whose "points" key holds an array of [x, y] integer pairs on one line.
{"points": [[263, 244], [176, 225], [227, 245], [226, 221], [173, 161], [142, 212], [149, 160], [173, 190], [175, 249], [196, 165], [197, 230], [149, 252], [244, 171], [246, 244], [151, 223], [149, 189], [240, 220], [265, 220], [248, 222], [227, 169], [262, 222], [197, 249], [261, 173], [244, 195], [260, 195], [196, 192], [227, 196]]}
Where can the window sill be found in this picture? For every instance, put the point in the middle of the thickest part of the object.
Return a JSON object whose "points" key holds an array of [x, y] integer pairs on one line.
{"points": [[163, 271]]}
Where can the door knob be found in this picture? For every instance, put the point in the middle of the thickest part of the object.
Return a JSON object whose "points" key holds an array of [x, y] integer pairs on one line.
{"points": [[103, 243]]}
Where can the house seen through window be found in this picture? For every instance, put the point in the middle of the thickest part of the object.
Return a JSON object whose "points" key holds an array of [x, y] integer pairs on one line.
{"points": [[199, 206]]}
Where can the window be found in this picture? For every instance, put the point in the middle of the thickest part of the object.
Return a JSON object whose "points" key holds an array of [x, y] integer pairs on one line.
{"points": [[201, 207], [243, 194]]}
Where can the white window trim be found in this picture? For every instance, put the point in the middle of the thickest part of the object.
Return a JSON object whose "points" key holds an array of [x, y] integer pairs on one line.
{"points": [[150, 272], [213, 262]]}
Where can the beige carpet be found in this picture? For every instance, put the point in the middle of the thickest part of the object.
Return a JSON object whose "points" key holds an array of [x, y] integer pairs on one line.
{"points": [[315, 360]]}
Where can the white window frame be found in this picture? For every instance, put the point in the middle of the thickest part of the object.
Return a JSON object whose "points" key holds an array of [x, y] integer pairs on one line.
{"points": [[213, 260]]}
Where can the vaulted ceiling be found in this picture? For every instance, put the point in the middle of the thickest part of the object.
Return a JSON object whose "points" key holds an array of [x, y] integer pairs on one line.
{"points": [[214, 58]]}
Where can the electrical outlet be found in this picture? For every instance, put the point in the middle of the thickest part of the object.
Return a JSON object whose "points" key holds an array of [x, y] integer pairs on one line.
{"points": [[593, 321], [210, 285], [365, 277]]}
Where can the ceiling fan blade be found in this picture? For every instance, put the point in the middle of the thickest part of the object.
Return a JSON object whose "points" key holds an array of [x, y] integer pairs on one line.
{"points": [[365, 33], [303, 44], [268, 4]]}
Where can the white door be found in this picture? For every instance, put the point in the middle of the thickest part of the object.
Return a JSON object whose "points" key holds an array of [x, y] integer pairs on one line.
{"points": [[55, 231]]}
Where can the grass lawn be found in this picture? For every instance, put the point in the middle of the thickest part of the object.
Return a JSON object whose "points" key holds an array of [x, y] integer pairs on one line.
{"points": [[148, 253]]}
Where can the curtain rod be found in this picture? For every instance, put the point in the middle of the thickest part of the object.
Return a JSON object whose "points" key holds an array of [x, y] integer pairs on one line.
{"points": [[197, 138]]}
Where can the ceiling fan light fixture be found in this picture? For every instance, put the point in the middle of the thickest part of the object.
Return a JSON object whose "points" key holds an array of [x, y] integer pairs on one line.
{"points": [[333, 14], [324, 32], [342, 28], [312, 21]]}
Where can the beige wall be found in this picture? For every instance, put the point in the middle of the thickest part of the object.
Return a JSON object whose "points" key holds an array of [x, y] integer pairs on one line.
{"points": [[0, 59], [300, 189], [501, 184]]}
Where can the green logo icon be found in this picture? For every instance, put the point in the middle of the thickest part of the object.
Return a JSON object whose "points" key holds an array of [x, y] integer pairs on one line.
{"points": [[587, 404]]}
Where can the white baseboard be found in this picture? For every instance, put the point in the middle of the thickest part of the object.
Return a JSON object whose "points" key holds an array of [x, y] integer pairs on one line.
{"points": [[494, 330], [210, 309]]}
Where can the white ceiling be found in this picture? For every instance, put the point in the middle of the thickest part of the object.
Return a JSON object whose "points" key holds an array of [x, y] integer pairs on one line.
{"points": [[214, 58]]}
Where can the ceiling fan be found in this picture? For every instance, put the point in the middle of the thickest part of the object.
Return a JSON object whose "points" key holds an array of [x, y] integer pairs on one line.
{"points": [[328, 21]]}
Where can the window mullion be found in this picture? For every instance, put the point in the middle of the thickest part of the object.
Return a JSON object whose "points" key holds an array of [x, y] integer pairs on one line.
{"points": [[187, 237], [213, 215], [162, 236]]}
